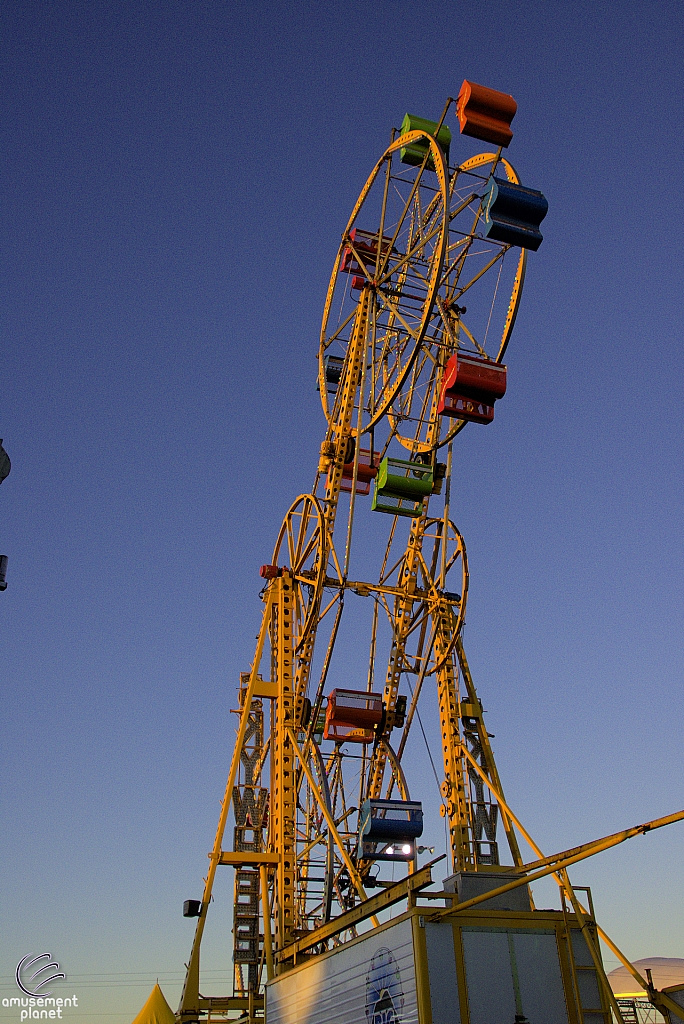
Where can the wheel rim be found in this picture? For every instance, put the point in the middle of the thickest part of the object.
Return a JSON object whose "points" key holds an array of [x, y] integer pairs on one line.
{"points": [[301, 547], [320, 897], [476, 306], [408, 211]]}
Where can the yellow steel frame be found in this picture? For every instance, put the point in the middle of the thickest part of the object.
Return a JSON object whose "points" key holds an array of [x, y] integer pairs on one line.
{"points": [[454, 789], [284, 793], [376, 279], [307, 564], [291, 656], [189, 1008], [474, 912]]}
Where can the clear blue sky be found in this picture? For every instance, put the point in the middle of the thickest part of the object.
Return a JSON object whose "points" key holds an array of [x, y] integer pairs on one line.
{"points": [[175, 179]]}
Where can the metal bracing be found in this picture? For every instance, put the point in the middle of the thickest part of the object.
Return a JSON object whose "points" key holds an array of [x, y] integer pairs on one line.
{"points": [[284, 793], [416, 283], [250, 811], [394, 344], [189, 1008], [454, 787]]}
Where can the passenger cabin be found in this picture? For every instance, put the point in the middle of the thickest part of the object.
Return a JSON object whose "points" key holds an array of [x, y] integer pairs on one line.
{"points": [[333, 366], [270, 572], [389, 828], [513, 214], [485, 114], [401, 487], [470, 387], [366, 472], [352, 716], [415, 153], [366, 245]]}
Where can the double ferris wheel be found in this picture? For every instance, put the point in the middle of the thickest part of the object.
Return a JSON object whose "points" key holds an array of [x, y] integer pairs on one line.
{"points": [[422, 301]]}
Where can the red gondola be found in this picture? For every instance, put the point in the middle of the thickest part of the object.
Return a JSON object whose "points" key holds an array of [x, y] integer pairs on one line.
{"points": [[470, 387], [485, 113], [352, 716]]}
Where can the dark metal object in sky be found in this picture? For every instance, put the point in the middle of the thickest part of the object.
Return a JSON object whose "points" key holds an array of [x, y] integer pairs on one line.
{"points": [[5, 464]]}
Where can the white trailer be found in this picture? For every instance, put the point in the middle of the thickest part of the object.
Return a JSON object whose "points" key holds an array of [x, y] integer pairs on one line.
{"points": [[485, 966]]}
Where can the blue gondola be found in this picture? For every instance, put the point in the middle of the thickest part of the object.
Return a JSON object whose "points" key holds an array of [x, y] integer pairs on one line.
{"points": [[513, 214], [391, 825], [333, 372]]}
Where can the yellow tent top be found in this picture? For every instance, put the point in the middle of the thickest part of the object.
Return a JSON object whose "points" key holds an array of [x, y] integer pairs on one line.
{"points": [[156, 1010]]}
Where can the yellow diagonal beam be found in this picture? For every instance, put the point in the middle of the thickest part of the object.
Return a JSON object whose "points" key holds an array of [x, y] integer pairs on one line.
{"points": [[190, 996], [598, 845], [507, 812], [348, 863], [558, 861]]}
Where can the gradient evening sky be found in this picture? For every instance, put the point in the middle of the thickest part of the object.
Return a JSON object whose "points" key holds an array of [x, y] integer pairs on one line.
{"points": [[175, 178]]}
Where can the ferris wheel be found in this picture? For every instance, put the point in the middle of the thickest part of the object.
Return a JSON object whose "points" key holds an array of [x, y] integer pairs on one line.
{"points": [[404, 364], [423, 297]]}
